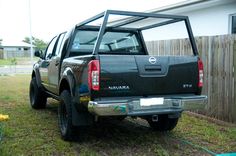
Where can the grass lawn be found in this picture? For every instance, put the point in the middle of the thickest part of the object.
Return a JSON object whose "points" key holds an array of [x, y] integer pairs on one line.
{"points": [[17, 61], [5, 62], [35, 132]]}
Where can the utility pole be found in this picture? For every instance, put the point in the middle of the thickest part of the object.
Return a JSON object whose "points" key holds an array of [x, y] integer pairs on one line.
{"points": [[31, 42]]}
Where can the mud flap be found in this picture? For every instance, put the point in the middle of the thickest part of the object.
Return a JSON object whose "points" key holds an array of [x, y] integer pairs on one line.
{"points": [[81, 118]]}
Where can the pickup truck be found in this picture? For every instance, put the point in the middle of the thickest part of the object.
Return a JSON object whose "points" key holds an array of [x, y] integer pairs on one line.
{"points": [[102, 68]]}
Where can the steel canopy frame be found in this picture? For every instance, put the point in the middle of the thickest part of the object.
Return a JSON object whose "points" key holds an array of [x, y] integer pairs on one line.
{"points": [[141, 15]]}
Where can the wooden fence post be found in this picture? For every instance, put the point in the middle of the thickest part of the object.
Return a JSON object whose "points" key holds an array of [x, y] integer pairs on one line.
{"points": [[234, 80]]}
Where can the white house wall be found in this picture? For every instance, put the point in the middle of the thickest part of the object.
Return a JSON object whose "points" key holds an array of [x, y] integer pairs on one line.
{"points": [[210, 21], [167, 32]]}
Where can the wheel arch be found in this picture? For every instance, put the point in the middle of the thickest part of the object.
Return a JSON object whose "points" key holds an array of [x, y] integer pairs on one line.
{"points": [[64, 85], [38, 98], [67, 82], [35, 73]]}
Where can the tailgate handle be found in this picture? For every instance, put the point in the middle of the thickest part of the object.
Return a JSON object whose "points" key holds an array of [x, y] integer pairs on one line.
{"points": [[153, 68]]}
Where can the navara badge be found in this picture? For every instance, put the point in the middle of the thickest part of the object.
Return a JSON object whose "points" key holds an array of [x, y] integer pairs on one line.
{"points": [[152, 60]]}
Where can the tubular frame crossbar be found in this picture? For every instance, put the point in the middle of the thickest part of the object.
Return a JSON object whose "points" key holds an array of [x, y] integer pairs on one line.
{"points": [[135, 17]]}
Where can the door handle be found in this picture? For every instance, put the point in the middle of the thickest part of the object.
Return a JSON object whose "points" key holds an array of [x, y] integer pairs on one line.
{"points": [[153, 68]]}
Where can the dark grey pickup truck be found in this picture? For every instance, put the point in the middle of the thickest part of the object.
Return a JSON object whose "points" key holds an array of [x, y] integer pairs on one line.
{"points": [[102, 68]]}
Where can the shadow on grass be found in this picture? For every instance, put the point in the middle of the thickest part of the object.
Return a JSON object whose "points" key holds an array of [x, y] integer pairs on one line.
{"points": [[106, 128], [110, 136]]}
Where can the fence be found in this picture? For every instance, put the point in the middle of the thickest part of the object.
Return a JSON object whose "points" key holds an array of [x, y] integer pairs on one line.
{"points": [[13, 54], [219, 57]]}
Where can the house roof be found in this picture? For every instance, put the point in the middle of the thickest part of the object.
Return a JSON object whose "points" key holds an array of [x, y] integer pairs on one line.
{"points": [[190, 5], [15, 44]]}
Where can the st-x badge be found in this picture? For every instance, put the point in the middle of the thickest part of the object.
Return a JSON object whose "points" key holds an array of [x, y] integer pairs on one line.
{"points": [[152, 60]]}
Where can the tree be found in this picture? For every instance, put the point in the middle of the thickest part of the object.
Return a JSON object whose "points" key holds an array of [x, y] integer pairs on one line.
{"points": [[0, 41], [40, 44]]}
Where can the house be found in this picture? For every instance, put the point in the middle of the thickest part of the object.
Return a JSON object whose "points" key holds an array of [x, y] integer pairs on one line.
{"points": [[12, 49], [207, 17], [15, 46]]}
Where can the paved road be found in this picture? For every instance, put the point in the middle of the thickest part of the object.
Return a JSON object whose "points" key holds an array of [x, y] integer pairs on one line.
{"points": [[18, 69]]}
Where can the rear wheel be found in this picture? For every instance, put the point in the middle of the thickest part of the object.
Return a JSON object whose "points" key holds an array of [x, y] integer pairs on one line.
{"points": [[65, 116], [38, 98], [164, 123]]}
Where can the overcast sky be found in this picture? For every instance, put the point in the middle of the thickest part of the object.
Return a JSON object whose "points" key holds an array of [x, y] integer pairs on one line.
{"points": [[50, 17]]}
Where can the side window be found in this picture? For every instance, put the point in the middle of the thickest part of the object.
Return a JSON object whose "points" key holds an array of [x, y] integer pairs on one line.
{"points": [[84, 41], [50, 48], [59, 44]]}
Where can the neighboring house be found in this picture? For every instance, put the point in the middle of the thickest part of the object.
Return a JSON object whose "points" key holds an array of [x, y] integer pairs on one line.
{"points": [[15, 49], [207, 17], [15, 46]]}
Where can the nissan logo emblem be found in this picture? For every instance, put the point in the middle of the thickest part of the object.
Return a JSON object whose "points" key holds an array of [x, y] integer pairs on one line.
{"points": [[152, 60]]}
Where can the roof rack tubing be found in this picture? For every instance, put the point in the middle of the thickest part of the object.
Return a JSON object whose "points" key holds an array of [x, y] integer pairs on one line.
{"points": [[101, 32], [128, 13], [191, 37], [141, 14], [94, 18]]}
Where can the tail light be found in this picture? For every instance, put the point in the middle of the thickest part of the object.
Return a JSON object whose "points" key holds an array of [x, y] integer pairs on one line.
{"points": [[200, 73], [94, 75]]}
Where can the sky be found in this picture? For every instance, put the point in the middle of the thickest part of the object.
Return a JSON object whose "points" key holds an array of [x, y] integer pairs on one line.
{"points": [[50, 17]]}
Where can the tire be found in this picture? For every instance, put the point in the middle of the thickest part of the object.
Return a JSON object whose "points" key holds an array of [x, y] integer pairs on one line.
{"points": [[164, 123], [38, 98], [65, 117]]}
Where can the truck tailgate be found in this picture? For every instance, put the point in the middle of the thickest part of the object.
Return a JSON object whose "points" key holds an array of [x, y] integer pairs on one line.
{"points": [[142, 75]]}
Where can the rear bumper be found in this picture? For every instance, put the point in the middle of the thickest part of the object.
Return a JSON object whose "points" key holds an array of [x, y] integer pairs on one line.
{"points": [[133, 106]]}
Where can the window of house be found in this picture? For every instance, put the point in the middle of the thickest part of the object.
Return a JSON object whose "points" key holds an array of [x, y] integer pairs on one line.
{"points": [[233, 26]]}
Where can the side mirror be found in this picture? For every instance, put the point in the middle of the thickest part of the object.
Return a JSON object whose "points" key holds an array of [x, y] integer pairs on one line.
{"points": [[37, 53]]}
